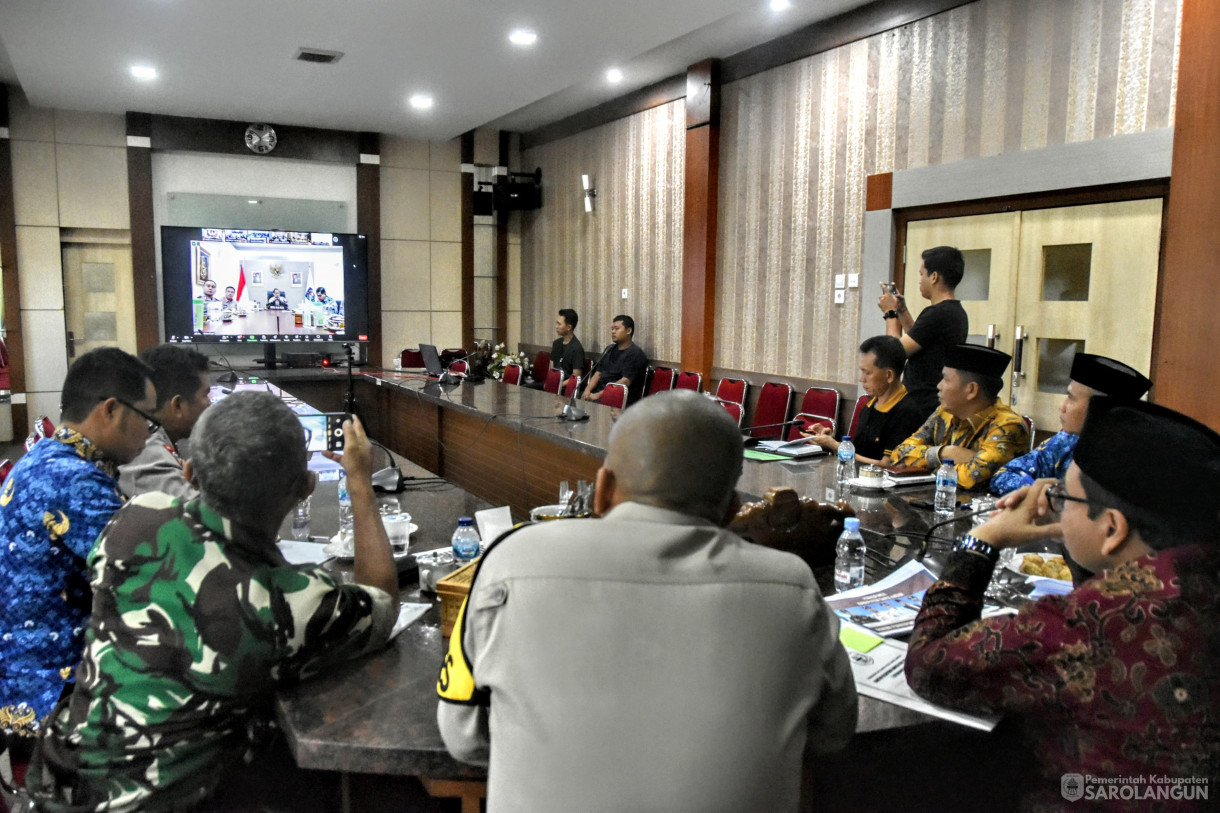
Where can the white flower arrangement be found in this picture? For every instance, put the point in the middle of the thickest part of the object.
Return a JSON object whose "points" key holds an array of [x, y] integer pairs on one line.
{"points": [[501, 358]]}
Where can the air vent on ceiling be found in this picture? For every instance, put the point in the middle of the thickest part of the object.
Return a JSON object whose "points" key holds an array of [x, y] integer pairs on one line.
{"points": [[319, 56]]}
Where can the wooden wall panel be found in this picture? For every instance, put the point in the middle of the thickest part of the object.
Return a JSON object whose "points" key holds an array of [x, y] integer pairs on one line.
{"points": [[1184, 366]]}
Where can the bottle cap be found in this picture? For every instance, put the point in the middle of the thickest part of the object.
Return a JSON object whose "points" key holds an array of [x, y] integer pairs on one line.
{"points": [[465, 521], [851, 524], [846, 438]]}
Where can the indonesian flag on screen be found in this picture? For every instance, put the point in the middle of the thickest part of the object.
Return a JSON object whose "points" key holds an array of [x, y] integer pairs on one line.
{"points": [[241, 281]]}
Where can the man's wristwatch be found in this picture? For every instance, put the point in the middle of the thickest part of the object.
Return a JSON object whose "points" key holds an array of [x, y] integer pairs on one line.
{"points": [[971, 544], [890, 315]]}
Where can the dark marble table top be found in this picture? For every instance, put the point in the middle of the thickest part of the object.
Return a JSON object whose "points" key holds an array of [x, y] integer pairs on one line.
{"points": [[378, 714]]}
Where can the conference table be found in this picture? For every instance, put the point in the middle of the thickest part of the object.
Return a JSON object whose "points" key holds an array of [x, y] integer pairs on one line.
{"points": [[497, 444]]}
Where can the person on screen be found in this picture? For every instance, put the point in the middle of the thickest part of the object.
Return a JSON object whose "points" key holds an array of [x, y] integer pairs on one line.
{"points": [[54, 503], [565, 670], [198, 620], [230, 296], [180, 375], [276, 301], [326, 301], [209, 291], [1120, 676]]}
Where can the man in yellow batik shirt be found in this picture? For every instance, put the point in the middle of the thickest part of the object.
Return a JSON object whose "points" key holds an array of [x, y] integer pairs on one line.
{"points": [[972, 427]]}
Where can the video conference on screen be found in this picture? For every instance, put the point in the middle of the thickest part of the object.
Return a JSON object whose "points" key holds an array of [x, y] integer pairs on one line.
{"points": [[247, 282]]}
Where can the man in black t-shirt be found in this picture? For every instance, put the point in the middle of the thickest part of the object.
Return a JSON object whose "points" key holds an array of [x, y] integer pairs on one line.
{"points": [[624, 363], [940, 325], [567, 353]]}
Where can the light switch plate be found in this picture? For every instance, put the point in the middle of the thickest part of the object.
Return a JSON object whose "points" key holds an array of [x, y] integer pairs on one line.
{"points": [[624, 293], [840, 297], [853, 280], [840, 280]]}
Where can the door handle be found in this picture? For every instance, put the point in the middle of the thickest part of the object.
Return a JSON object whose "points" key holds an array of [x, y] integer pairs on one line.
{"points": [[1018, 352], [992, 335], [71, 345]]}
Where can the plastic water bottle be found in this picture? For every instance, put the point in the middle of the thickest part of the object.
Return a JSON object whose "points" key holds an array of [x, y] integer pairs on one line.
{"points": [[300, 520], [347, 524], [465, 540], [946, 489], [849, 556], [847, 461]]}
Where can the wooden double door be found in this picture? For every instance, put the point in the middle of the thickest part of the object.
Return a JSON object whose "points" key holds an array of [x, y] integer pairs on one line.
{"points": [[1049, 283]]}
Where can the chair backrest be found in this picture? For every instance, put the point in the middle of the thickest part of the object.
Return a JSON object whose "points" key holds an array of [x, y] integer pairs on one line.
{"points": [[1030, 426], [736, 411], [571, 385], [542, 361], [512, 374], [588, 366], [733, 389], [412, 359], [822, 401], [855, 415], [5, 467], [774, 401], [43, 428], [808, 422], [614, 395], [553, 378], [459, 368], [661, 379], [689, 381]]}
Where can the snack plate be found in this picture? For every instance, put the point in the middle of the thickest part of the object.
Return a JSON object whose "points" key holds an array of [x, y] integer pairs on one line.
{"points": [[1019, 559]]}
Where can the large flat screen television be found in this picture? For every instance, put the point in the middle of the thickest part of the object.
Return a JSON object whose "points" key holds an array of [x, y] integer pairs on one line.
{"points": [[246, 285]]}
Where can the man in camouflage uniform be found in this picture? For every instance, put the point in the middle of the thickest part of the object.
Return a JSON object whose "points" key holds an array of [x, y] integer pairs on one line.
{"points": [[197, 619]]}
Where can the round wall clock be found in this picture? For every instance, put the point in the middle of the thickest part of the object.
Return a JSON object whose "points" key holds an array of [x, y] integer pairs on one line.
{"points": [[260, 138]]}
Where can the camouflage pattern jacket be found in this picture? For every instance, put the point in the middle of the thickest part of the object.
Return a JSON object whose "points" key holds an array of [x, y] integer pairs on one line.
{"points": [[196, 621]]}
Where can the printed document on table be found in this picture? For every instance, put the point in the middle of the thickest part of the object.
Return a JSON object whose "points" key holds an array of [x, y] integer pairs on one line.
{"points": [[879, 674], [888, 607]]}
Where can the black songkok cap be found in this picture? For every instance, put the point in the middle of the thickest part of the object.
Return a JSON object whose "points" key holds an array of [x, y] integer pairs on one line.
{"points": [[1154, 458], [975, 358], [1109, 377]]}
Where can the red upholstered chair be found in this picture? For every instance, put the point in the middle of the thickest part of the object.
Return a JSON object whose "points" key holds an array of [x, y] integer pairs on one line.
{"points": [[542, 362], [5, 467], [807, 423], [553, 379], [736, 411], [774, 401], [733, 389], [43, 428], [571, 385], [689, 381], [459, 368], [614, 395], [412, 359], [820, 405], [855, 415], [660, 379], [1030, 426], [513, 373]]}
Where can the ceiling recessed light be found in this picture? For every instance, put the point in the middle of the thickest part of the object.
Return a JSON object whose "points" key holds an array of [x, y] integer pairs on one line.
{"points": [[143, 72], [253, 201], [523, 37], [614, 76], [421, 101], [781, 5]]}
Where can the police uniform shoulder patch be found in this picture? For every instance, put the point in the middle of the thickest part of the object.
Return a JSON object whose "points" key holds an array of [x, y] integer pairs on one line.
{"points": [[455, 683]]}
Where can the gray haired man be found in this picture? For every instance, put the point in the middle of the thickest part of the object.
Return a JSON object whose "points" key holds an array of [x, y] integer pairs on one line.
{"points": [[648, 659]]}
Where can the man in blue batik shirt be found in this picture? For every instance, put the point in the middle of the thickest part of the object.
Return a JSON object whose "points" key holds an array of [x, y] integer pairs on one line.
{"points": [[1091, 375], [53, 506]]}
